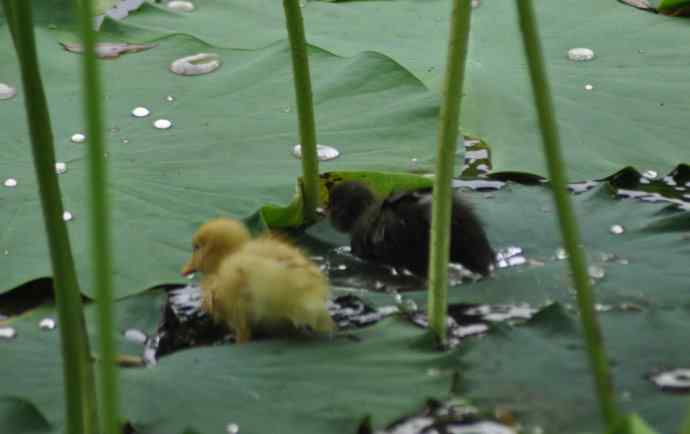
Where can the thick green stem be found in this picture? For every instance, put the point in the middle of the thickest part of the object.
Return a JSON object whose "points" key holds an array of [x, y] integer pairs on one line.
{"points": [[305, 108], [80, 396], [566, 217], [447, 138], [99, 224]]}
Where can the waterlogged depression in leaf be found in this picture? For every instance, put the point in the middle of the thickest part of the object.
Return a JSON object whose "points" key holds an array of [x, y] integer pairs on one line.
{"points": [[452, 417], [109, 50], [185, 324]]}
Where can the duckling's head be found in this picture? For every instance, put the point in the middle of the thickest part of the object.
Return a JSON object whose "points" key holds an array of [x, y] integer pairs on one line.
{"points": [[212, 242], [348, 201]]}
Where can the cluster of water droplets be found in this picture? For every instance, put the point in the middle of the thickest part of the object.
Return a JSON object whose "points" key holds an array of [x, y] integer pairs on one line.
{"points": [[8, 332], [582, 54]]}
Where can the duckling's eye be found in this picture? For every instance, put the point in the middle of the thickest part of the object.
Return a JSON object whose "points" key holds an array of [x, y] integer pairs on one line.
{"points": [[195, 247]]}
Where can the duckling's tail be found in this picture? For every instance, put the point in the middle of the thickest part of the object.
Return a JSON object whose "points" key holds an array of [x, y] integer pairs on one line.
{"points": [[323, 323], [313, 314]]}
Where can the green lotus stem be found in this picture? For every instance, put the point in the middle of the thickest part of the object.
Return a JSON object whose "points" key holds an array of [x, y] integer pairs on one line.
{"points": [[80, 397], [109, 397], [566, 217], [443, 193], [305, 108]]}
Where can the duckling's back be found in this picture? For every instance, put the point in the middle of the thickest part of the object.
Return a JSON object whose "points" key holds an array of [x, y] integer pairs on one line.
{"points": [[279, 283]]}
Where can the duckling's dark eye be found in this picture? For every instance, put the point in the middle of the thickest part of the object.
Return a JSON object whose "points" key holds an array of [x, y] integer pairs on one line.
{"points": [[195, 247]]}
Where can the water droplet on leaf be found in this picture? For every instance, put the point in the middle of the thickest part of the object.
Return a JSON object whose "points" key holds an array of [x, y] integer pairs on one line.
{"points": [[140, 112], [650, 174], [10, 182], [232, 428], [67, 216], [596, 272], [561, 254], [60, 167], [162, 124], [170, 98], [323, 152], [616, 229], [197, 64], [674, 379], [47, 324], [588, 86], [7, 91], [78, 138], [7, 333], [181, 6], [136, 336], [580, 54]]}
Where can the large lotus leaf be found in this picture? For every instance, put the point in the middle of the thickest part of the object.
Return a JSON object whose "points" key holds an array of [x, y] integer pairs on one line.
{"points": [[634, 114], [309, 385], [538, 372], [229, 151]]}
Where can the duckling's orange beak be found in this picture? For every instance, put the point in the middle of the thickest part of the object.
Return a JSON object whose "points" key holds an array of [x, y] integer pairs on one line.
{"points": [[188, 268]]}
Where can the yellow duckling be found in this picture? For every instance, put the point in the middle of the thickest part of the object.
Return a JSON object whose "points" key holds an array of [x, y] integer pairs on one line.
{"points": [[263, 283]]}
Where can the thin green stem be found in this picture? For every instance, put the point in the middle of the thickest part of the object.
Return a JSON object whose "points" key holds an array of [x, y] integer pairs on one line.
{"points": [[305, 108], [447, 138], [78, 373], [99, 224], [566, 217]]}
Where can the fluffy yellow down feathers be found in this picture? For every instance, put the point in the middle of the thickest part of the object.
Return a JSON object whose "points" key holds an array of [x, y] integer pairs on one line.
{"points": [[263, 283]]}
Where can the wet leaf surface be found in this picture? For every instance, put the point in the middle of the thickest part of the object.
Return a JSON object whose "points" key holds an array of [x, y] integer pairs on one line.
{"points": [[632, 113], [225, 153]]}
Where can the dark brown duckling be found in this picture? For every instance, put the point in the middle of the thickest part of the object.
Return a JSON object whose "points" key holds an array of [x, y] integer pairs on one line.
{"points": [[395, 231]]}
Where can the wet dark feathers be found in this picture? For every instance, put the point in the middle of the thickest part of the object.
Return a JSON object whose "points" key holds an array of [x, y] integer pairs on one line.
{"points": [[395, 231]]}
